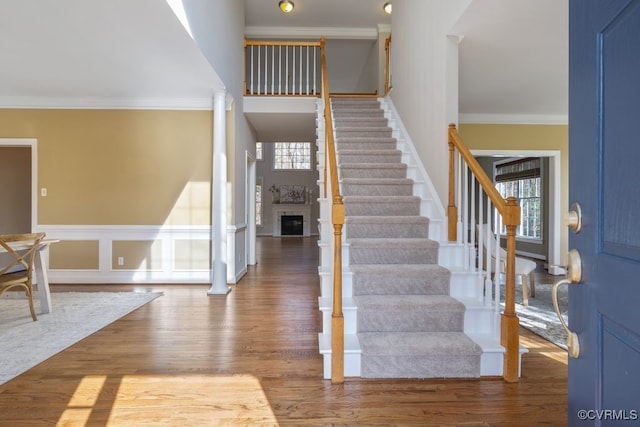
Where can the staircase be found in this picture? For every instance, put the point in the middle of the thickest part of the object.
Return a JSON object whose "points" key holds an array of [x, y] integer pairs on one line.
{"points": [[412, 307], [407, 324]]}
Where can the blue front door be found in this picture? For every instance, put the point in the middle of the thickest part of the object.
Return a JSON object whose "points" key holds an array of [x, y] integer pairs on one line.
{"points": [[604, 178]]}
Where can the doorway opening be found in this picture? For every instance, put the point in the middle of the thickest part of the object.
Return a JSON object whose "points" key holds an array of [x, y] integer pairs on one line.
{"points": [[20, 155]]}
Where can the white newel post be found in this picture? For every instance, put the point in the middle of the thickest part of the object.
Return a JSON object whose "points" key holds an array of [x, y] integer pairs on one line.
{"points": [[219, 199]]}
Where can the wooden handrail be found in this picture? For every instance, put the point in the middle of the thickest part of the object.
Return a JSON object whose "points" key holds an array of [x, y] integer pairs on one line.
{"points": [[280, 43], [337, 219], [510, 213]]}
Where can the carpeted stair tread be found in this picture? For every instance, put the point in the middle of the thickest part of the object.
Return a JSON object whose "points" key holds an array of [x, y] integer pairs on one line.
{"points": [[385, 220], [349, 104], [377, 187], [417, 343], [402, 279], [365, 139], [384, 206], [354, 111], [369, 156], [366, 145], [373, 170], [393, 251], [430, 303], [409, 313], [419, 355], [394, 243], [373, 152], [378, 181], [383, 132], [386, 226], [342, 121]]}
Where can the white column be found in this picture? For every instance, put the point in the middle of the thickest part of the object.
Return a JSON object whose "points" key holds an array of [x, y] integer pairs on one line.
{"points": [[219, 199]]}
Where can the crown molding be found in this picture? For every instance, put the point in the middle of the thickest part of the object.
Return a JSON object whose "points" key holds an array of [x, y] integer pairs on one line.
{"points": [[515, 119], [107, 103], [311, 32]]}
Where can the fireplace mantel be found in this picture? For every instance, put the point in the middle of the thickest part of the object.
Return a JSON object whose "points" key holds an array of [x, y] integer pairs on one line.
{"points": [[280, 209]]}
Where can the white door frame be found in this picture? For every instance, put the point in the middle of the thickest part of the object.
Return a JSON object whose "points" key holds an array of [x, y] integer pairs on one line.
{"points": [[33, 144], [553, 256]]}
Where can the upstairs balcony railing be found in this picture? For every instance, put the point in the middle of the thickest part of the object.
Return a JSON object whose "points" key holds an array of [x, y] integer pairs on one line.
{"points": [[291, 68], [469, 189], [278, 68]]}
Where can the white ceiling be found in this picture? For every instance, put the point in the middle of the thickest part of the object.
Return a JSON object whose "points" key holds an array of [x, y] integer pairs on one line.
{"points": [[96, 53], [83, 53], [514, 60]]}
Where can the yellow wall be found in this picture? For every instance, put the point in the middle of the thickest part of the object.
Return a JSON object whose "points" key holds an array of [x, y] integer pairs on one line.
{"points": [[526, 137], [116, 167]]}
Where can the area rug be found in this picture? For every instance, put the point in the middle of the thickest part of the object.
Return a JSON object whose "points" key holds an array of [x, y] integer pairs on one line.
{"points": [[540, 317], [75, 315]]}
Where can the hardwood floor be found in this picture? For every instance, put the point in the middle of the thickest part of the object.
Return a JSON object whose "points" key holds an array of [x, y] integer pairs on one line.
{"points": [[251, 358]]}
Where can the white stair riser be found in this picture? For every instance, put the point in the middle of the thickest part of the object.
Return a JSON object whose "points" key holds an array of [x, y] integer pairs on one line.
{"points": [[491, 363], [326, 284], [451, 256], [350, 321], [467, 285], [351, 365], [478, 320]]}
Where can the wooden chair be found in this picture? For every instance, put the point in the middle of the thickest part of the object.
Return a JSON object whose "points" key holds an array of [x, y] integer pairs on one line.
{"points": [[22, 250], [524, 267]]}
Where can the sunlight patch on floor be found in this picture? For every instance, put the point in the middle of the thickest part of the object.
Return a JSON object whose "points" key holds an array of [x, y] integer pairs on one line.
{"points": [[172, 400]]}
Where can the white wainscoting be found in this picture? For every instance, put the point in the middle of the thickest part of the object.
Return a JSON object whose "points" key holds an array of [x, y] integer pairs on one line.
{"points": [[166, 235]]}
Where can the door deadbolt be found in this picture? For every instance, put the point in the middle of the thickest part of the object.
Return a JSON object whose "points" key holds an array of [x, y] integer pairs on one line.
{"points": [[574, 218]]}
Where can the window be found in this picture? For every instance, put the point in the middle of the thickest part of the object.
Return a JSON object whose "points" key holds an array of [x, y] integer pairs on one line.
{"points": [[259, 151], [259, 201], [521, 179], [292, 156]]}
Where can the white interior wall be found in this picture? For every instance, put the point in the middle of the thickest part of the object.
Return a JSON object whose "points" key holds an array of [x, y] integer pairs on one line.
{"points": [[423, 83], [352, 66]]}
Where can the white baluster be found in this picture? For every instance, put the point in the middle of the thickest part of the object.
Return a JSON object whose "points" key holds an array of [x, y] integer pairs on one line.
{"points": [[497, 270], [472, 225], [479, 228], [252, 59], [300, 80], [459, 197], [273, 69], [280, 70], [315, 54], [487, 281], [308, 70], [465, 213], [266, 70], [259, 70], [293, 70]]}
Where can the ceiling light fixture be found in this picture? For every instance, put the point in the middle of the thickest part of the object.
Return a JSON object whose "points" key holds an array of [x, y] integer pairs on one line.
{"points": [[387, 8], [285, 6]]}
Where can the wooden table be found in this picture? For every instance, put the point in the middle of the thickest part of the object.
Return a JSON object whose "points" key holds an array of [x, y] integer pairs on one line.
{"points": [[40, 267]]}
